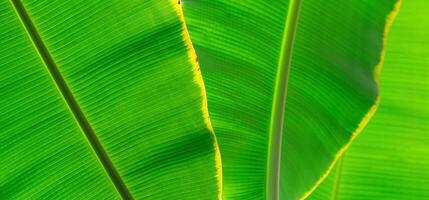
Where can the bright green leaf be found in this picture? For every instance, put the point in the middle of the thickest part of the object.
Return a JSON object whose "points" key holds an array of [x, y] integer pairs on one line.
{"points": [[390, 160], [243, 47], [124, 70]]}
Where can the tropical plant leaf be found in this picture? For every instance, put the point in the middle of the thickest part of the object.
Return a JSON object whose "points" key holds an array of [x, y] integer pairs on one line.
{"points": [[390, 160], [245, 49], [115, 81]]}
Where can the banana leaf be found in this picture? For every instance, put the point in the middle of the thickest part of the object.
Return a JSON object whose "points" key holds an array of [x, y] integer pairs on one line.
{"points": [[324, 55], [390, 160], [102, 100]]}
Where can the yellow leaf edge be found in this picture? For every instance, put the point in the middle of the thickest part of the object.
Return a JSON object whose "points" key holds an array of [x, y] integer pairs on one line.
{"points": [[198, 79]]}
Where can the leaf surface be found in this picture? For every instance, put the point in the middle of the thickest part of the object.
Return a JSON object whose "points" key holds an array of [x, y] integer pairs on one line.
{"points": [[129, 75], [268, 145], [390, 160]]}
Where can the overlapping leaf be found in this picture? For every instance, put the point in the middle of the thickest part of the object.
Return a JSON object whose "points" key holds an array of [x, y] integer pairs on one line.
{"points": [[331, 92], [390, 160]]}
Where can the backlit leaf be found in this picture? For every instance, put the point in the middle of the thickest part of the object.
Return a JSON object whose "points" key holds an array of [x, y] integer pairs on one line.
{"points": [[120, 73], [390, 160], [244, 47]]}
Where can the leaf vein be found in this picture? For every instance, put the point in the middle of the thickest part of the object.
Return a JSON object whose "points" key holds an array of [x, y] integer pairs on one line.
{"points": [[70, 100]]}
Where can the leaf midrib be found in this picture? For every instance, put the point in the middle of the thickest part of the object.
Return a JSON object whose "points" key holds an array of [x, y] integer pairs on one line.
{"points": [[279, 101], [70, 100]]}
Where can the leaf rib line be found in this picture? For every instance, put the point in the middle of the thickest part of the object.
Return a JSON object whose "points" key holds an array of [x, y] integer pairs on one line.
{"points": [[336, 187], [279, 101], [70, 100]]}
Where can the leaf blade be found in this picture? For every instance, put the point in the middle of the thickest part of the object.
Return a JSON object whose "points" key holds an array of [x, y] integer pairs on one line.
{"points": [[331, 84], [42, 150], [389, 160], [132, 71]]}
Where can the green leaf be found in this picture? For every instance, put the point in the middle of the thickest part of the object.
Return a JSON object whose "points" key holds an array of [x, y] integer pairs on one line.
{"points": [[245, 49], [102, 99], [390, 160]]}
